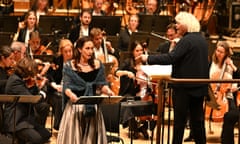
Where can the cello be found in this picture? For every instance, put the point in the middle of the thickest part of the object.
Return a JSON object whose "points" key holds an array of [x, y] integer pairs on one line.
{"points": [[219, 90]]}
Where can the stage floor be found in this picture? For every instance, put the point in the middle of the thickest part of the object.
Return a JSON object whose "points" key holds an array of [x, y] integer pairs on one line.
{"points": [[211, 138]]}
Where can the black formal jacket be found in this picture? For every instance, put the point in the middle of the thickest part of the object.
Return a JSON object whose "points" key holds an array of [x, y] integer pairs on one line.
{"points": [[189, 59], [22, 34], [24, 111]]}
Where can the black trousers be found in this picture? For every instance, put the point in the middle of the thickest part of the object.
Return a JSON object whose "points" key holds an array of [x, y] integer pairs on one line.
{"points": [[185, 103], [56, 102], [230, 119], [36, 135], [41, 112]]}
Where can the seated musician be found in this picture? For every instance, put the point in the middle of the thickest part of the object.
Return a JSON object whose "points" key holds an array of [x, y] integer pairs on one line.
{"points": [[222, 63], [125, 33], [54, 75], [28, 130], [151, 8], [130, 87], [6, 61], [97, 36], [26, 27], [97, 8], [19, 50], [82, 26]]}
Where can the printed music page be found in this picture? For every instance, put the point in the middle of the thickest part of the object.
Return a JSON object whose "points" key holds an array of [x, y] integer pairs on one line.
{"points": [[157, 71]]}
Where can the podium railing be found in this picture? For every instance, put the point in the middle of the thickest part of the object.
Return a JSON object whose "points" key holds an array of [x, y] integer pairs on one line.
{"points": [[161, 80]]}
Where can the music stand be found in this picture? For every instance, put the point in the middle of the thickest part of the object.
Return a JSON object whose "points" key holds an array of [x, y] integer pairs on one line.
{"points": [[50, 24], [44, 58], [9, 23], [6, 38], [99, 99], [110, 24], [156, 23], [19, 99]]}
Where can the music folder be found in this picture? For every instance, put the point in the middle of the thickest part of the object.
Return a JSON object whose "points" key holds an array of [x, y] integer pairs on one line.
{"points": [[20, 98], [99, 99]]}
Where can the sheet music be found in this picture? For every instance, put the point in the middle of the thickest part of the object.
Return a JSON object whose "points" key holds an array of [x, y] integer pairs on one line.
{"points": [[157, 70]]}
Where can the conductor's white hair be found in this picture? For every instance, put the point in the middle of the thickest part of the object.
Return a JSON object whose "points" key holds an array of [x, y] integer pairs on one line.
{"points": [[189, 20]]}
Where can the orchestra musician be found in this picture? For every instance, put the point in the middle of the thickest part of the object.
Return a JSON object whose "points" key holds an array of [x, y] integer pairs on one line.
{"points": [[82, 28], [171, 34], [19, 50], [40, 7], [98, 37], [83, 76], [26, 27], [54, 75], [28, 130], [35, 48], [6, 60], [97, 8], [222, 63], [151, 8], [125, 33], [189, 52], [129, 86]]}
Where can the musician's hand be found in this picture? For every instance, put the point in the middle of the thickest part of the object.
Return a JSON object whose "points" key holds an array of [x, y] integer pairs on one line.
{"points": [[131, 75], [141, 58], [109, 46], [73, 98]]}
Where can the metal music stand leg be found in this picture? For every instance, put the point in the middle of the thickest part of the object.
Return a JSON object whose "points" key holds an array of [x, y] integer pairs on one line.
{"points": [[160, 109], [169, 115]]}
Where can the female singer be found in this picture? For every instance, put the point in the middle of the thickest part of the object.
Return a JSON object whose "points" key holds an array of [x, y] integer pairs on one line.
{"points": [[27, 129], [82, 76], [26, 27], [130, 88], [55, 79]]}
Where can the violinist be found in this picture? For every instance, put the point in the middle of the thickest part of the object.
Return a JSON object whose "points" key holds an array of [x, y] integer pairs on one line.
{"points": [[6, 60], [26, 27], [28, 130], [129, 87], [220, 59], [55, 79], [19, 50]]}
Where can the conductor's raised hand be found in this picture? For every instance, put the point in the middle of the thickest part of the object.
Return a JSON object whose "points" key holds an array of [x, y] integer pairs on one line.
{"points": [[142, 58]]}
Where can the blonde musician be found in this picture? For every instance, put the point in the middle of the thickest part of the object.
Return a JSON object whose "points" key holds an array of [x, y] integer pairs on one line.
{"points": [[222, 67], [125, 33], [26, 27], [101, 46], [40, 7]]}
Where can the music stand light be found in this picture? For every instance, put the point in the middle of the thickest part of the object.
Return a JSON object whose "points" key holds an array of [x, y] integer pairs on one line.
{"points": [[9, 23], [50, 24], [110, 24]]}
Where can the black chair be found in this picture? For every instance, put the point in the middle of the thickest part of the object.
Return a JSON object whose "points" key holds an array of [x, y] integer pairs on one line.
{"points": [[111, 115]]}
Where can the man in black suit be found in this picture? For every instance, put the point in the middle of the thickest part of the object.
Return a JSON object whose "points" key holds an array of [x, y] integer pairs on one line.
{"points": [[190, 60], [82, 28]]}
